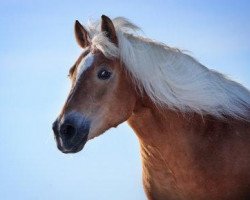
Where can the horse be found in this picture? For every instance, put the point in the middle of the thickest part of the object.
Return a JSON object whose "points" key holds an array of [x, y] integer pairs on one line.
{"points": [[192, 123]]}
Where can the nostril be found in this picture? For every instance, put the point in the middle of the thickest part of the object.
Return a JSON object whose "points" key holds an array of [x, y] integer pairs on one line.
{"points": [[67, 131]]}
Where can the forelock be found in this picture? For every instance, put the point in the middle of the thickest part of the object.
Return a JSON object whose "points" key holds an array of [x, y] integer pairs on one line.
{"points": [[102, 43]]}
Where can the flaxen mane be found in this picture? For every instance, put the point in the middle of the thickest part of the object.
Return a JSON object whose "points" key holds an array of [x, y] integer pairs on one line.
{"points": [[170, 77]]}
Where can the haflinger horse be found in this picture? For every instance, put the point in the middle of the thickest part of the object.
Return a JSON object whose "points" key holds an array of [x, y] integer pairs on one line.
{"points": [[193, 123]]}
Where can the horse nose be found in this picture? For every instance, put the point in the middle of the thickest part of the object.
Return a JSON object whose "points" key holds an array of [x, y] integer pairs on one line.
{"points": [[55, 128], [67, 131], [71, 132]]}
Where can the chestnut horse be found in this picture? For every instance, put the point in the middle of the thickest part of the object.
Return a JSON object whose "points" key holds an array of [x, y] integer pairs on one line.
{"points": [[193, 124]]}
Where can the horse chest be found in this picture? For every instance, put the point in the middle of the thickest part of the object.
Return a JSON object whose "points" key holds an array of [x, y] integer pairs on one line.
{"points": [[180, 180], [161, 182]]}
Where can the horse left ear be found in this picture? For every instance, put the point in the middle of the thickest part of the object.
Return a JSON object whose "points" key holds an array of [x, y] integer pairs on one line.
{"points": [[81, 35], [107, 26]]}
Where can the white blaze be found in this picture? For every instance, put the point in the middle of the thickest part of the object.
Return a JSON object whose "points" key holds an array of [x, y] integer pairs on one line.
{"points": [[85, 63]]}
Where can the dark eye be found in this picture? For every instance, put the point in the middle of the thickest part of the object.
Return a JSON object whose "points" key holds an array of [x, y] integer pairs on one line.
{"points": [[104, 74]]}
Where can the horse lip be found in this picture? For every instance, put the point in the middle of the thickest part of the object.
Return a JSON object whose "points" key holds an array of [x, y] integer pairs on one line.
{"points": [[73, 150]]}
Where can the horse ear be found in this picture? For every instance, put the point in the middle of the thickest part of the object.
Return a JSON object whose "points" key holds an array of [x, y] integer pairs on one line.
{"points": [[107, 26], [81, 35]]}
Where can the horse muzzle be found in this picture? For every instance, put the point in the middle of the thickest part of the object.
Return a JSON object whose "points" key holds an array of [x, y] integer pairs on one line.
{"points": [[71, 132]]}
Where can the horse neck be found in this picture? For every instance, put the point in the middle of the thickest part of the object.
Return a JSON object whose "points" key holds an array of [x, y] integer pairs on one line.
{"points": [[170, 131], [164, 143], [178, 148]]}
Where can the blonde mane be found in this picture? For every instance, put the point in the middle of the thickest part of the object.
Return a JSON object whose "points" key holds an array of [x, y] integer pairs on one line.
{"points": [[170, 77]]}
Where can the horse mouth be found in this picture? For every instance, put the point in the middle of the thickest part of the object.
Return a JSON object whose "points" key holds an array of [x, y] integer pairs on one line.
{"points": [[70, 146]]}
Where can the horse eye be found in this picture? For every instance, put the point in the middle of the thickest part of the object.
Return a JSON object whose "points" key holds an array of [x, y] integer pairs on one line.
{"points": [[104, 74]]}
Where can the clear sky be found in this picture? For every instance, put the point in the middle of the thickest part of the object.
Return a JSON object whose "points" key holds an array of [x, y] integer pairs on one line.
{"points": [[37, 47]]}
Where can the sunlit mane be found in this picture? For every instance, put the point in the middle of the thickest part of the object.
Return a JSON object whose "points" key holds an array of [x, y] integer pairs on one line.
{"points": [[170, 77]]}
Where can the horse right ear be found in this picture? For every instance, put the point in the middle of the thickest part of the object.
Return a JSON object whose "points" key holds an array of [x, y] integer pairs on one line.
{"points": [[107, 26], [81, 35]]}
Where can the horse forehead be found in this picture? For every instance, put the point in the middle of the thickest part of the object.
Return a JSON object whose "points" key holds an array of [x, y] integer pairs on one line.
{"points": [[85, 63]]}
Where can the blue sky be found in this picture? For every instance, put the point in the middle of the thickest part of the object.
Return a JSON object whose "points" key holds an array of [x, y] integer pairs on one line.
{"points": [[37, 47]]}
